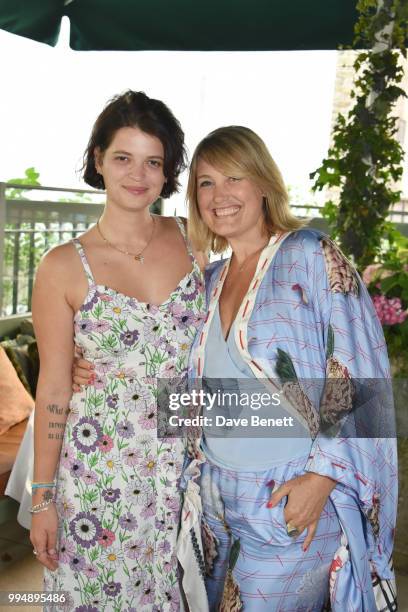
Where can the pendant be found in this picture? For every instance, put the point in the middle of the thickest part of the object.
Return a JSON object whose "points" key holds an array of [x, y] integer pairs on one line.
{"points": [[139, 258]]}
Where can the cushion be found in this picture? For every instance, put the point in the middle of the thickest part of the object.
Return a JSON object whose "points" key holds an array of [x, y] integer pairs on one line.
{"points": [[16, 403], [23, 354], [9, 445]]}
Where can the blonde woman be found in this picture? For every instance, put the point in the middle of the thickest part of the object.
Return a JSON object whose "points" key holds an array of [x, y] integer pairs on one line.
{"points": [[292, 519]]}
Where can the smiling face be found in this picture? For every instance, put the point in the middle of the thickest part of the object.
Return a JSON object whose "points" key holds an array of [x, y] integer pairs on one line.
{"points": [[132, 168], [231, 207]]}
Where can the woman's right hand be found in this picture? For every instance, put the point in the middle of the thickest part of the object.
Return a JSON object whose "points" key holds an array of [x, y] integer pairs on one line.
{"points": [[43, 536], [82, 373]]}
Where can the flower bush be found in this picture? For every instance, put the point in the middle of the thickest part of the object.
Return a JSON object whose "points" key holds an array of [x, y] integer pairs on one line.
{"points": [[387, 282]]}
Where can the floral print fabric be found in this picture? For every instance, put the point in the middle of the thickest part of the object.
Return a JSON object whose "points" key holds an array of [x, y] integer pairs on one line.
{"points": [[117, 496]]}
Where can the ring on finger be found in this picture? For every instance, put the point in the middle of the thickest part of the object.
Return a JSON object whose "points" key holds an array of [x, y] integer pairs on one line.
{"points": [[291, 530], [38, 552]]}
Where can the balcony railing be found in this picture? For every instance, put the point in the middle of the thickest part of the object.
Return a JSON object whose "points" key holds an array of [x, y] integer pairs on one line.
{"points": [[29, 227]]}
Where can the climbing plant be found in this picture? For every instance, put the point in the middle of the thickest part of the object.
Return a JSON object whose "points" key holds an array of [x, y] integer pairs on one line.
{"points": [[365, 160]]}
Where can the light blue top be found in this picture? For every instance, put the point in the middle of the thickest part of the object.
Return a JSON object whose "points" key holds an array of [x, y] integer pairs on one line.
{"points": [[237, 446]]}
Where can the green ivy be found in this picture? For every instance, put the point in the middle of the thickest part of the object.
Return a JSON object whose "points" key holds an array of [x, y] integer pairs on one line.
{"points": [[365, 160]]}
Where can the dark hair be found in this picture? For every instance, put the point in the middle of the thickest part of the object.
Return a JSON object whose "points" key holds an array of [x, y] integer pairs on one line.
{"points": [[135, 109]]}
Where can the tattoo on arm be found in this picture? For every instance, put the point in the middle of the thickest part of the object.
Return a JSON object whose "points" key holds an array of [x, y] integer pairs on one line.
{"points": [[55, 409], [56, 425]]}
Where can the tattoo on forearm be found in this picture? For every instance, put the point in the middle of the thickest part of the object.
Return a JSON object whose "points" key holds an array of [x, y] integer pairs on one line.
{"points": [[47, 495], [55, 409], [56, 425]]}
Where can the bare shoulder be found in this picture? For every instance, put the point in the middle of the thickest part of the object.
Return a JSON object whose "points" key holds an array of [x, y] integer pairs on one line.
{"points": [[200, 256], [58, 258], [59, 266]]}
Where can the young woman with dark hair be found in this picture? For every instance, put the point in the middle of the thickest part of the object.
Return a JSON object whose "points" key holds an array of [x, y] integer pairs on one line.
{"points": [[129, 294]]}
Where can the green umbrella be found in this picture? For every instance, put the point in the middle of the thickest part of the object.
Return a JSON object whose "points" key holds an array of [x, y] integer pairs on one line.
{"points": [[195, 25]]}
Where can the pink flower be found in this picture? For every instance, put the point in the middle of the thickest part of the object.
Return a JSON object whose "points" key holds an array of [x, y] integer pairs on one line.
{"points": [[99, 382], [107, 538], [131, 456], [147, 420], [389, 310], [67, 457], [149, 509], [90, 477], [105, 444], [90, 571], [370, 273]]}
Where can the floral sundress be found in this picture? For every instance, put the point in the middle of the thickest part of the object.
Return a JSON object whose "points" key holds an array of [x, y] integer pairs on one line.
{"points": [[117, 497]]}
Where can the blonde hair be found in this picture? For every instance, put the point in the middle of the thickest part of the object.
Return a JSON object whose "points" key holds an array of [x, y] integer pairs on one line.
{"points": [[238, 151]]}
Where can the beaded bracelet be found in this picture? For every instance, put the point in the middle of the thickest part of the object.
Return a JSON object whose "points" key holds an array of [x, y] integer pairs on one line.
{"points": [[42, 485]]}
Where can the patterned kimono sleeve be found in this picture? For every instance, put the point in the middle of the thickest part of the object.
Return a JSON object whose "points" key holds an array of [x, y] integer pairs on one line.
{"points": [[356, 406]]}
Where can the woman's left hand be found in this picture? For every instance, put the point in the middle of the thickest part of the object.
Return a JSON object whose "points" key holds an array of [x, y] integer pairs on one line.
{"points": [[307, 496]]}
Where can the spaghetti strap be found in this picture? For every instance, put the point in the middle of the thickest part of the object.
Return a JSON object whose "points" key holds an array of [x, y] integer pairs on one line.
{"points": [[84, 260], [182, 229]]}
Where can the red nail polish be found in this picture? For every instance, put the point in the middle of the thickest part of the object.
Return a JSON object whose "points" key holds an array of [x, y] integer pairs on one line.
{"points": [[269, 504]]}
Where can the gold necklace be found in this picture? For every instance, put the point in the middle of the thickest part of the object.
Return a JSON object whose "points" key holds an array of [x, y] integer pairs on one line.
{"points": [[136, 256], [242, 266]]}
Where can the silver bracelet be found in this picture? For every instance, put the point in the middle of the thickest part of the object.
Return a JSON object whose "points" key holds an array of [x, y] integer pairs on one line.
{"points": [[41, 506]]}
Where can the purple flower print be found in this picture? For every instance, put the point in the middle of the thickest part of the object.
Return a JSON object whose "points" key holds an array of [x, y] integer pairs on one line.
{"points": [[149, 509], [112, 400], [86, 609], [125, 429], [112, 588], [66, 508], [131, 456], [171, 596], [172, 502], [190, 293], [77, 469], [130, 337], [99, 382], [67, 457], [106, 364], [148, 593], [134, 549], [111, 495], [147, 420], [66, 550], [85, 529], [86, 434], [160, 524], [134, 585], [176, 309], [90, 477], [91, 571], [91, 303], [77, 563], [148, 466], [86, 326], [186, 319], [128, 522], [164, 547]]}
